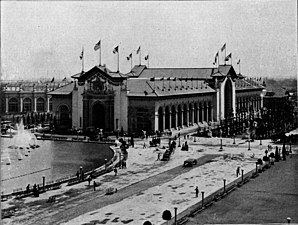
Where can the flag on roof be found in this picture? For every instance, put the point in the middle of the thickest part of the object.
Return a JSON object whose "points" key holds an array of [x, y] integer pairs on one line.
{"points": [[146, 57], [64, 79], [82, 54], [116, 49], [129, 57], [228, 57], [238, 61], [139, 49], [52, 79], [223, 47], [97, 46]]}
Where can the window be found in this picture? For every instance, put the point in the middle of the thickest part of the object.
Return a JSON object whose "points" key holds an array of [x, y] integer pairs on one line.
{"points": [[13, 105], [51, 105], [40, 105], [27, 105]]}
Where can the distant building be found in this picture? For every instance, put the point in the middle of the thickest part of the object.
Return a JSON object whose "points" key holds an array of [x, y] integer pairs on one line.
{"points": [[21, 97], [156, 99]]}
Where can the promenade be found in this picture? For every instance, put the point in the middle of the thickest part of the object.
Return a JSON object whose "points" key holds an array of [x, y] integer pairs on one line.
{"points": [[271, 197], [146, 187]]}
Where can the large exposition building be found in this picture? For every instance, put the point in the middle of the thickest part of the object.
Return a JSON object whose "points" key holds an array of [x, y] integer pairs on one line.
{"points": [[155, 99]]}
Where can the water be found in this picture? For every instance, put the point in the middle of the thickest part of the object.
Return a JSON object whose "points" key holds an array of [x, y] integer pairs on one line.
{"points": [[53, 159]]}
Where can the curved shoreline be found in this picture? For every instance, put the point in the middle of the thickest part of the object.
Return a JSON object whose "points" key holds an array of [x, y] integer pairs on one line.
{"points": [[54, 184]]}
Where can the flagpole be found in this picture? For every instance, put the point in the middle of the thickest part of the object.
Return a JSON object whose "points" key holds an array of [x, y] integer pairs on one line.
{"points": [[131, 63], [140, 57], [118, 58], [83, 60], [231, 60], [225, 53], [148, 61], [100, 53]]}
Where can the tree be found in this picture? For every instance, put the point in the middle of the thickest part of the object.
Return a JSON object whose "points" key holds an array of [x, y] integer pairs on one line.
{"points": [[166, 215]]}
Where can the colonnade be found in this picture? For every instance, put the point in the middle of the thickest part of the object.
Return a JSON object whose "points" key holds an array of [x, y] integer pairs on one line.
{"points": [[183, 115], [248, 103], [17, 104]]}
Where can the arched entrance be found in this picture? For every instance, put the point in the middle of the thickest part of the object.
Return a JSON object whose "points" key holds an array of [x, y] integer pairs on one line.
{"points": [[228, 99], [160, 119], [174, 116], [98, 115]]}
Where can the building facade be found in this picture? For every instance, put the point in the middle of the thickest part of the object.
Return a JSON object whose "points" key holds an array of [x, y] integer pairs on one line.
{"points": [[156, 99]]}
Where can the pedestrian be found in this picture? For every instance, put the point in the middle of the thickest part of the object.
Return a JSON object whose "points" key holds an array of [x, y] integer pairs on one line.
{"points": [[144, 146], [78, 174], [28, 188], [115, 171], [94, 185], [158, 155], [238, 171], [132, 142], [89, 179], [197, 191]]}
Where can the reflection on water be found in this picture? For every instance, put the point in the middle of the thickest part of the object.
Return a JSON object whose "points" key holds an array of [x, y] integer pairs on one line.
{"points": [[53, 159]]}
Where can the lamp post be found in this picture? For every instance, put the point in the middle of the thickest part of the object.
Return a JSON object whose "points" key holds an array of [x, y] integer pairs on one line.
{"points": [[179, 145], [202, 199], [175, 208], [248, 144], [234, 138], [220, 145]]}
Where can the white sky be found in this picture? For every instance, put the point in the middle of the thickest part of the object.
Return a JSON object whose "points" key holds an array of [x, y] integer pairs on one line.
{"points": [[45, 39]]}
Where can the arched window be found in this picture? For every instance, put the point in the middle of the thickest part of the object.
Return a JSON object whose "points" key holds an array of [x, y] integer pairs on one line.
{"points": [[13, 105], [40, 105], [27, 105]]}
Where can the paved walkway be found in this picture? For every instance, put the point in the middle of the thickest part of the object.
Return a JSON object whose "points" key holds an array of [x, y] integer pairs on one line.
{"points": [[78, 206], [269, 198]]}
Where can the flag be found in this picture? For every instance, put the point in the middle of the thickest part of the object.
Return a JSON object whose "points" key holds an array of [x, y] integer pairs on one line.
{"points": [[228, 57], [129, 57], [139, 49], [174, 79], [52, 79], [146, 57], [97, 46], [116, 49], [215, 60], [238, 61], [82, 54], [64, 79], [223, 47], [162, 78], [169, 78], [152, 79]]}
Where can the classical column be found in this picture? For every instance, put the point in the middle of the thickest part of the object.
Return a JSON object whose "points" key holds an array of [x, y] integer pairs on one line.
{"points": [[35, 103], [203, 112], [193, 115], [163, 120], [6, 105], [182, 110], [198, 114], [176, 116], [21, 104], [187, 116], [48, 103], [211, 108], [207, 113], [170, 119]]}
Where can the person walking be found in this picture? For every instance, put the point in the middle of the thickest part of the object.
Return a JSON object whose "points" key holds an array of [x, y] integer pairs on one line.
{"points": [[238, 171], [115, 171], [197, 191]]}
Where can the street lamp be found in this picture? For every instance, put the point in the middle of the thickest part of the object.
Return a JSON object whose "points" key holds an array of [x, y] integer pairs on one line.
{"points": [[234, 138], [248, 144], [179, 145], [220, 149]]}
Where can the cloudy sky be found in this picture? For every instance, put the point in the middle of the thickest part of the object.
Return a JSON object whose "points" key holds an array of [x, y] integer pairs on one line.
{"points": [[45, 39]]}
